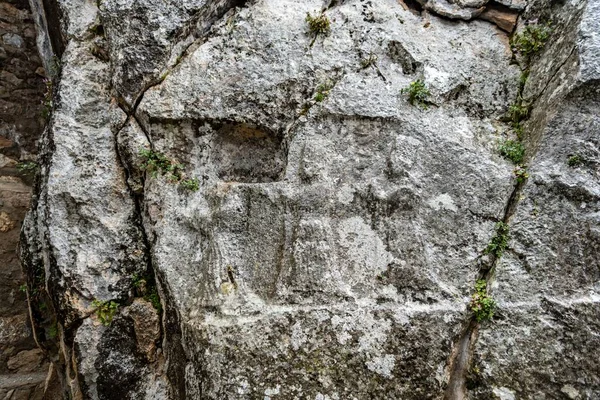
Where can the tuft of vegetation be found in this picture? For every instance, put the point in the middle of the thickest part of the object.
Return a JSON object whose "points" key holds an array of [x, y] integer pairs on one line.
{"points": [[518, 112], [519, 131], [499, 242], [192, 184], [531, 40], [322, 92], [105, 310], [512, 150], [27, 167], [368, 61], [575, 160], [318, 24], [482, 304], [521, 173], [523, 80], [146, 288], [154, 299], [52, 331], [23, 288], [139, 284], [417, 93], [158, 164]]}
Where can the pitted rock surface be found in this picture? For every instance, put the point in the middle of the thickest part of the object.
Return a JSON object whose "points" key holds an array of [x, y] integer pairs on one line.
{"points": [[336, 233]]}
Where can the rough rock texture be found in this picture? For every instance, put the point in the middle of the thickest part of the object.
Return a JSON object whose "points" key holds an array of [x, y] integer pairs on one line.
{"points": [[547, 285], [337, 231]]}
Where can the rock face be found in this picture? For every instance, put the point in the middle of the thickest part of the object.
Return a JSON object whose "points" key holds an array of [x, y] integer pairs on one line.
{"points": [[233, 206]]}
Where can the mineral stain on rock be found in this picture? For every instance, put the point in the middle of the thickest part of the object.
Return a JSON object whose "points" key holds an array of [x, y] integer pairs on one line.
{"points": [[331, 234]]}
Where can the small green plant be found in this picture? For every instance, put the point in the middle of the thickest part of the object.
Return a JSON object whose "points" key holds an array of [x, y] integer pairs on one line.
{"points": [[154, 299], [523, 79], [105, 310], [139, 283], [417, 93], [27, 167], [575, 160], [512, 150], [499, 242], [146, 288], [519, 131], [52, 331], [531, 40], [192, 184], [482, 304], [318, 24], [157, 163], [521, 173], [518, 112], [368, 61], [322, 92], [23, 288]]}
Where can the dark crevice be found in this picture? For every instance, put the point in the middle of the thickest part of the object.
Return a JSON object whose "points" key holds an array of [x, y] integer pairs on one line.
{"points": [[414, 6], [201, 37], [461, 358], [53, 16], [170, 334], [462, 355]]}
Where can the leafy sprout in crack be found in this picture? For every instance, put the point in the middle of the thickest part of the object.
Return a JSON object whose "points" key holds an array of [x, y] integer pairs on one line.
{"points": [[158, 164], [105, 310], [523, 79], [532, 39], [322, 92], [575, 160], [482, 304], [52, 331], [518, 112], [521, 173], [192, 184], [417, 93], [27, 167], [512, 150], [318, 24], [154, 299], [518, 129], [139, 284], [145, 287], [499, 242]]}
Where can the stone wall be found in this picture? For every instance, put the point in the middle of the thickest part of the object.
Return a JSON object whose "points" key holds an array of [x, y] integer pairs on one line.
{"points": [[231, 206], [23, 368]]}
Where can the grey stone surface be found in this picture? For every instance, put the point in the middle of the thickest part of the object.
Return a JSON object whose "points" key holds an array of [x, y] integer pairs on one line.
{"points": [[547, 285], [335, 238]]}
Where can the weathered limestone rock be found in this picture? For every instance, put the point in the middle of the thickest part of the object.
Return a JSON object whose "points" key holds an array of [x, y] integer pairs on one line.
{"points": [[547, 286], [295, 226]]}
